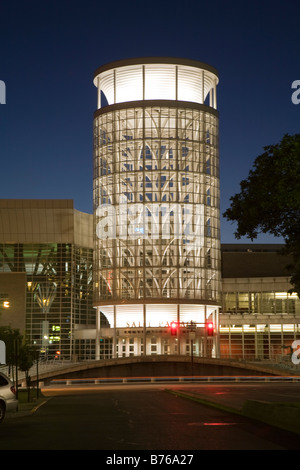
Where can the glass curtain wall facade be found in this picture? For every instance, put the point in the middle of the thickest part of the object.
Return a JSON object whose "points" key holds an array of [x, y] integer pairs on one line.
{"points": [[156, 207], [58, 292], [259, 323], [259, 318], [46, 253]]}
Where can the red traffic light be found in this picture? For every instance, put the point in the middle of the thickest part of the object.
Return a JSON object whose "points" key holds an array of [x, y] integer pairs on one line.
{"points": [[210, 328], [174, 328]]}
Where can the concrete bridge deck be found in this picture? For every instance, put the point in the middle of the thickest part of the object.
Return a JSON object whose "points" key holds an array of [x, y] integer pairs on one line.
{"points": [[156, 366]]}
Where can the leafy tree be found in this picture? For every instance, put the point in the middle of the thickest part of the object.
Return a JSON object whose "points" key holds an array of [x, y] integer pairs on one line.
{"points": [[269, 200]]}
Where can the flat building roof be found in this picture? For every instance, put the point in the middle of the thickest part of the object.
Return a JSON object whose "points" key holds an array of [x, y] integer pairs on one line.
{"points": [[255, 260]]}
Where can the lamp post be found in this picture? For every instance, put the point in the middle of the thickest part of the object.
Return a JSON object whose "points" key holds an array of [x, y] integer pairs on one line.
{"points": [[16, 351], [36, 355]]}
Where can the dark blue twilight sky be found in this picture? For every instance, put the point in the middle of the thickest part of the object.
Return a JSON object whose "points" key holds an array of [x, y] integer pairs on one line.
{"points": [[50, 49]]}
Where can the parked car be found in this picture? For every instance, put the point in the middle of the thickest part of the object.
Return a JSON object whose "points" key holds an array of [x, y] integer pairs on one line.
{"points": [[8, 400]]}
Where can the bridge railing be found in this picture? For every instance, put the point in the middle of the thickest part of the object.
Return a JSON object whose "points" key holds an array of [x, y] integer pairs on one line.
{"points": [[54, 365], [42, 367]]}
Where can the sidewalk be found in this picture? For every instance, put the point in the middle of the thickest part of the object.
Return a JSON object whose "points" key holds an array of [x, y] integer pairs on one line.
{"points": [[26, 409]]}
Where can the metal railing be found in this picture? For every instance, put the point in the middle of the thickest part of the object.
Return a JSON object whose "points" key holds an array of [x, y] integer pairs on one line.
{"points": [[42, 367]]}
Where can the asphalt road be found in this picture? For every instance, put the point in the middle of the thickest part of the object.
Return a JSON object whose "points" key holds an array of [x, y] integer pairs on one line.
{"points": [[136, 419], [230, 394], [235, 395]]}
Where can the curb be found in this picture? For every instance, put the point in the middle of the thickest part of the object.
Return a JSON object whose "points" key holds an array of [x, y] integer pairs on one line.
{"points": [[26, 409], [281, 415], [198, 399]]}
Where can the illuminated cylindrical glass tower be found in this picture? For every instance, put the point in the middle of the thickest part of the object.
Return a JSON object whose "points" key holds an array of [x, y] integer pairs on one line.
{"points": [[156, 207]]}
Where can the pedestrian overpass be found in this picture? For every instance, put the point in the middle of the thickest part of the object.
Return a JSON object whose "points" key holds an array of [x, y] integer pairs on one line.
{"points": [[153, 366]]}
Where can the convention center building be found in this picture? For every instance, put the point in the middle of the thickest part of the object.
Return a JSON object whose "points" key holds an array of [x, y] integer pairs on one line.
{"points": [[46, 291], [146, 273]]}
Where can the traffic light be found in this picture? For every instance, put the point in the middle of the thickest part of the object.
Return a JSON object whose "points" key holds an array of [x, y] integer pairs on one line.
{"points": [[210, 328], [174, 328]]}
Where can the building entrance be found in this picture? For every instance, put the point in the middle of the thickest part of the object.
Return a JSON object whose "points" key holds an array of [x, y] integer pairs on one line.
{"points": [[157, 341]]}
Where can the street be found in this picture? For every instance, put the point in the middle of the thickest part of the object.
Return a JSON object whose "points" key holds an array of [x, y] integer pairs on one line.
{"points": [[138, 418]]}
